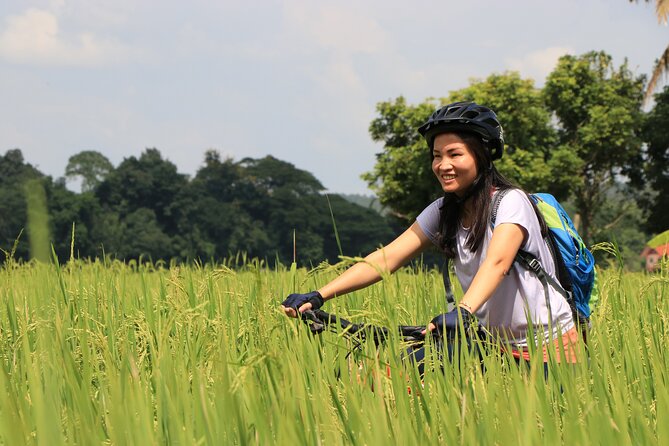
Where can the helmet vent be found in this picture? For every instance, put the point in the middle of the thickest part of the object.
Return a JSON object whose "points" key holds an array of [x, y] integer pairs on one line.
{"points": [[471, 114], [491, 122]]}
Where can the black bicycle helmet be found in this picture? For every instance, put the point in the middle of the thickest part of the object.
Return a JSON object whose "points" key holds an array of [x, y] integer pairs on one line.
{"points": [[466, 117]]}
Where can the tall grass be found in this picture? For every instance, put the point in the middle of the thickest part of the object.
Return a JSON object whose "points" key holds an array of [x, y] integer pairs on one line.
{"points": [[108, 353]]}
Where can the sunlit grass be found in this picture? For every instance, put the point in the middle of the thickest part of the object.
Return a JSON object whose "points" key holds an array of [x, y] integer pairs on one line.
{"points": [[108, 353]]}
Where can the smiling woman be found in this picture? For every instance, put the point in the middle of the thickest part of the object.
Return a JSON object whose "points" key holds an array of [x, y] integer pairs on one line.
{"points": [[513, 306]]}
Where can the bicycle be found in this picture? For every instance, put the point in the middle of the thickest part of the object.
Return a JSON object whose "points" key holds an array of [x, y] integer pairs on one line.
{"points": [[411, 336], [447, 347]]}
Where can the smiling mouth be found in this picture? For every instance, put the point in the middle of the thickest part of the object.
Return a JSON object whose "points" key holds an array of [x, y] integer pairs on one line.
{"points": [[448, 177]]}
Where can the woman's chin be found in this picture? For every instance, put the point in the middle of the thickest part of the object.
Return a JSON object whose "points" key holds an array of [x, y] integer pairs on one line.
{"points": [[450, 189]]}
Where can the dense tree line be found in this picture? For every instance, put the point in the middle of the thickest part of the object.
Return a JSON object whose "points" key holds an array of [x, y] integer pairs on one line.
{"points": [[265, 208]]}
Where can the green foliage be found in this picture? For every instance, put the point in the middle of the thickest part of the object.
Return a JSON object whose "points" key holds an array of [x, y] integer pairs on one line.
{"points": [[402, 177], [66, 208], [272, 175], [258, 205], [210, 219], [15, 173], [656, 172], [620, 220], [598, 107], [149, 182], [143, 236], [361, 230], [145, 209]]}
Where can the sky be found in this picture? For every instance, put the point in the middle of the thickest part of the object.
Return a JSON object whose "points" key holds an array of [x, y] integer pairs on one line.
{"points": [[295, 79]]}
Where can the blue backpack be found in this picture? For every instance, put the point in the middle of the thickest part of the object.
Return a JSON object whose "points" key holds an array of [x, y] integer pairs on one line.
{"points": [[574, 262]]}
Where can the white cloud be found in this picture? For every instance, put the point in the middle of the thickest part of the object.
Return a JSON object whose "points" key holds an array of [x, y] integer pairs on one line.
{"points": [[335, 27], [35, 37], [538, 64]]}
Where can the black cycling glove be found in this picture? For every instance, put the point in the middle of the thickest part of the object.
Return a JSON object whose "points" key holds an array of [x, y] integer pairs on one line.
{"points": [[295, 301], [448, 323]]}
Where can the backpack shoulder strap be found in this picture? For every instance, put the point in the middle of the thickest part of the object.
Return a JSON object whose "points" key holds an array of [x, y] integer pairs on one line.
{"points": [[448, 286], [531, 263], [494, 205]]}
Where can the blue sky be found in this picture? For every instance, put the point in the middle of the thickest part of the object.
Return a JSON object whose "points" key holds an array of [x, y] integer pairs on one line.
{"points": [[295, 79]]}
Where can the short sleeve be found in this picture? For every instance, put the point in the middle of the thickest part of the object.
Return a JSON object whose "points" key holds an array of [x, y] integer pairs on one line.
{"points": [[516, 208], [428, 220]]}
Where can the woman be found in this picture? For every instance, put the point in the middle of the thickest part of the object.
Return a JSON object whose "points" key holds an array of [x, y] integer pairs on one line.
{"points": [[509, 302]]}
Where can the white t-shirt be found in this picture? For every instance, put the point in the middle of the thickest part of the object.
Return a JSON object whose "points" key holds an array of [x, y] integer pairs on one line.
{"points": [[521, 293]]}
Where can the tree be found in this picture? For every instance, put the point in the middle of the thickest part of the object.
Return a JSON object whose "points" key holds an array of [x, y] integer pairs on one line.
{"points": [[656, 134], [284, 198], [286, 205], [214, 221], [149, 182], [65, 209], [93, 167], [361, 230], [143, 236], [662, 64], [598, 109], [14, 174], [621, 220], [271, 174], [402, 176]]}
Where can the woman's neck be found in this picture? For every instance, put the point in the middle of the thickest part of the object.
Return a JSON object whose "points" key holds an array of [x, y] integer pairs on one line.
{"points": [[467, 213]]}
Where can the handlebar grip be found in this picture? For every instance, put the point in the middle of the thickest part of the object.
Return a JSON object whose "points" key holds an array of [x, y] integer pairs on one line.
{"points": [[412, 331]]}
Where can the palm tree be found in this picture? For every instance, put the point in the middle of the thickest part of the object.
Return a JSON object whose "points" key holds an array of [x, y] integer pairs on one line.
{"points": [[662, 65]]}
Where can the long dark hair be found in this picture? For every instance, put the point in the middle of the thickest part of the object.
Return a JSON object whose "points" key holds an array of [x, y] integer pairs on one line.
{"points": [[480, 193]]}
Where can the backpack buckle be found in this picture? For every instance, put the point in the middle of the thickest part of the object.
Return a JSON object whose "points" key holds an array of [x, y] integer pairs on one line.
{"points": [[535, 265]]}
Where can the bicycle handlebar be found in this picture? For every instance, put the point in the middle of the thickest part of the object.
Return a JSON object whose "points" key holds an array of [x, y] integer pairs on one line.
{"points": [[319, 321]]}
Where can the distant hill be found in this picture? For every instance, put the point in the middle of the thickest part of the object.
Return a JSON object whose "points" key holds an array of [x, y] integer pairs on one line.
{"points": [[366, 201]]}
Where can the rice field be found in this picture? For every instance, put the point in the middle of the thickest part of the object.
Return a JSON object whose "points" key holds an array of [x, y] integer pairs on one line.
{"points": [[108, 353]]}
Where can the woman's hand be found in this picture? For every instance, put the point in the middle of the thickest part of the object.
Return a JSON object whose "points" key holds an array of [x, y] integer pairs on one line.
{"points": [[301, 302], [450, 322]]}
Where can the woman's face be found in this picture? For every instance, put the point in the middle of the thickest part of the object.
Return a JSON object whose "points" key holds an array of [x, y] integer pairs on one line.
{"points": [[454, 163]]}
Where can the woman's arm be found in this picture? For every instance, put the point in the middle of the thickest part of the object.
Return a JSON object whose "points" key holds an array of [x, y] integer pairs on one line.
{"points": [[387, 259], [507, 239]]}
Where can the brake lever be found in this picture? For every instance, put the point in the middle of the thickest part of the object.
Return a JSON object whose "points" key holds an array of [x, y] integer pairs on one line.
{"points": [[316, 326]]}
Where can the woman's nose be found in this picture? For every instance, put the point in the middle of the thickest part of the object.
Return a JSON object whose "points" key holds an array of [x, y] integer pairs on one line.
{"points": [[444, 164]]}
